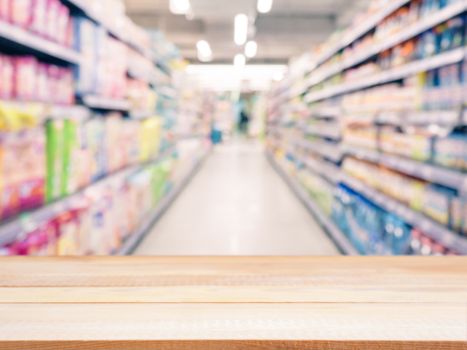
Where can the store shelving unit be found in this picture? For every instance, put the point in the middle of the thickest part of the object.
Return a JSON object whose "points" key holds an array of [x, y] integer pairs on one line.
{"points": [[137, 237], [407, 33], [10, 230], [394, 74], [16, 36], [334, 233], [435, 230], [105, 103], [429, 172], [96, 14], [324, 150]]}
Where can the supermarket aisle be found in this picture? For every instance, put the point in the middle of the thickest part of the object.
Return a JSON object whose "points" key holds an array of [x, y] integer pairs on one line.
{"points": [[237, 205]]}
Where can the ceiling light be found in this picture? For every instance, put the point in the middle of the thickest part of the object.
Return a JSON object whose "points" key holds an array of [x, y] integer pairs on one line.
{"points": [[278, 76], [251, 48], [264, 6], [180, 7], [241, 29], [204, 51], [239, 60]]}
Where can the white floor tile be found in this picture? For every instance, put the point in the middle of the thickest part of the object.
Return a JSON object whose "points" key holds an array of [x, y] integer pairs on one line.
{"points": [[237, 205]]}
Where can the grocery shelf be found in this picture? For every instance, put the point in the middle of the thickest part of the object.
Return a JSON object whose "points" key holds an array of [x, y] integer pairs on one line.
{"points": [[334, 233], [408, 118], [326, 150], [326, 112], [429, 172], [137, 237], [11, 229], [326, 170], [18, 36], [142, 114], [397, 73], [436, 231], [91, 13], [49, 110], [328, 133], [105, 103], [360, 30], [408, 33]]}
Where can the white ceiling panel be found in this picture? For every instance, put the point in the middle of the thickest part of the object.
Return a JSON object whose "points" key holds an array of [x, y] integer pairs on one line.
{"points": [[292, 26]]}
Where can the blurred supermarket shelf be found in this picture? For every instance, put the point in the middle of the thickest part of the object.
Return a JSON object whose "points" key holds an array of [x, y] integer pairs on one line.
{"points": [[326, 170], [17, 36], [331, 229], [436, 231], [137, 237], [105, 103], [408, 33], [436, 174], [142, 114], [49, 110], [330, 112], [324, 149], [353, 35], [94, 11], [331, 131], [10, 230], [437, 117], [394, 74]]}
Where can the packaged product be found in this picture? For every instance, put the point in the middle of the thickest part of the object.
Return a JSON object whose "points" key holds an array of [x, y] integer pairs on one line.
{"points": [[437, 203], [55, 149], [451, 151], [39, 17], [68, 235], [6, 77], [69, 145], [53, 12], [397, 234], [5, 10], [25, 83], [31, 163], [21, 12]]}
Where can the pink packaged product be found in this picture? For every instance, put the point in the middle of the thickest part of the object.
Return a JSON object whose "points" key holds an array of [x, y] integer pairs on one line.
{"points": [[5, 10], [6, 77], [47, 18], [39, 17], [21, 12], [25, 77]]}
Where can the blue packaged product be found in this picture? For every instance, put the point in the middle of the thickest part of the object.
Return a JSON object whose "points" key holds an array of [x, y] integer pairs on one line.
{"points": [[397, 235]]}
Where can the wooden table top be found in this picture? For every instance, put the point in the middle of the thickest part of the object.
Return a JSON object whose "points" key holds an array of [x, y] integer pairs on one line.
{"points": [[337, 303]]}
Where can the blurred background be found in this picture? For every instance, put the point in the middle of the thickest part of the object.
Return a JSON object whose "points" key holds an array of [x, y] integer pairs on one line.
{"points": [[253, 127]]}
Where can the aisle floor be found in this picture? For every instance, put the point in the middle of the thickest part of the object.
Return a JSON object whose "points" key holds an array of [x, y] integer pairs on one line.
{"points": [[237, 205]]}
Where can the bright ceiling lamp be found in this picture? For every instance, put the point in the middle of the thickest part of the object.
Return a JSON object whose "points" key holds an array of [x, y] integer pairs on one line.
{"points": [[278, 76], [264, 6], [241, 29], [251, 48], [180, 7], [204, 51], [239, 60]]}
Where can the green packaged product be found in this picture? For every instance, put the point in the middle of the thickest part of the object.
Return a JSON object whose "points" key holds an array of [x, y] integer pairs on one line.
{"points": [[54, 151]]}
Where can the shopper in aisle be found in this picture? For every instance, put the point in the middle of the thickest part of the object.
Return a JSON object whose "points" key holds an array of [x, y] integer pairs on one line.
{"points": [[244, 122]]}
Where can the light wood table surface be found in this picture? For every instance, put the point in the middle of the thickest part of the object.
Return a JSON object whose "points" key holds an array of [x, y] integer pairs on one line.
{"points": [[217, 303]]}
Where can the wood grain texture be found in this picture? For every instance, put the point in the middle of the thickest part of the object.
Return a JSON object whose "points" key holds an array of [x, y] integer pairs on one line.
{"points": [[233, 303]]}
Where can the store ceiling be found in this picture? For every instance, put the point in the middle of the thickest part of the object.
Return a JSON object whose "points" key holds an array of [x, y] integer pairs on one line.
{"points": [[292, 27]]}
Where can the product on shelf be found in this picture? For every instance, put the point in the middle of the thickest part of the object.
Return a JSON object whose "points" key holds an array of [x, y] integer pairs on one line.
{"points": [[24, 78], [99, 221], [394, 92], [46, 18]]}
